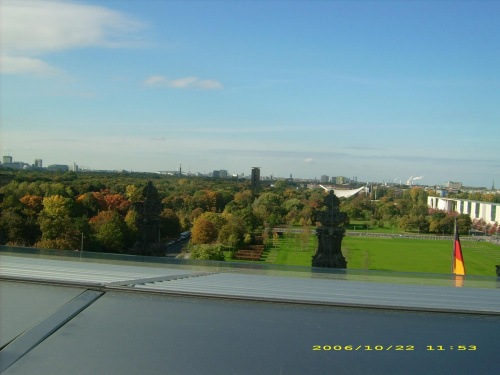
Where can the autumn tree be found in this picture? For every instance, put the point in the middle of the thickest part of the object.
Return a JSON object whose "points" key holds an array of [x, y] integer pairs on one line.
{"points": [[203, 231]]}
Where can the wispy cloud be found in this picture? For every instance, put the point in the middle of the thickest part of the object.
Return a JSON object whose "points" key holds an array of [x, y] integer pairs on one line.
{"points": [[183, 83], [27, 65], [32, 28]]}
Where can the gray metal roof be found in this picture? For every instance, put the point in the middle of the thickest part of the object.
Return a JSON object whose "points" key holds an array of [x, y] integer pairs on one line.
{"points": [[69, 313], [365, 289]]}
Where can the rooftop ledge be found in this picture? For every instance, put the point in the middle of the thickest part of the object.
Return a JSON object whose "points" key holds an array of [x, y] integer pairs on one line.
{"points": [[253, 281]]}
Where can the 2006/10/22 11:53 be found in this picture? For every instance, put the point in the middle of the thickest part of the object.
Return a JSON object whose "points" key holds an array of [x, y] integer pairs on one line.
{"points": [[391, 347]]}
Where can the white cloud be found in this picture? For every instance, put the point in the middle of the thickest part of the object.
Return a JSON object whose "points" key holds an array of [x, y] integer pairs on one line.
{"points": [[27, 65], [309, 160], [183, 83], [209, 84], [32, 28], [155, 81]]}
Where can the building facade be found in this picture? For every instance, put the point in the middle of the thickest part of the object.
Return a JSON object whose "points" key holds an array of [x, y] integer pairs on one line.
{"points": [[488, 211]]}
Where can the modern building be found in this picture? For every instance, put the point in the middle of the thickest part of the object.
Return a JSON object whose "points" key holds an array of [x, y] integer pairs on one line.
{"points": [[38, 163], [7, 160], [325, 179], [58, 167], [488, 211], [216, 174]]}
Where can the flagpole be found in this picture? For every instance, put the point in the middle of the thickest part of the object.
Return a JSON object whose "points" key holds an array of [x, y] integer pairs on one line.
{"points": [[453, 244]]}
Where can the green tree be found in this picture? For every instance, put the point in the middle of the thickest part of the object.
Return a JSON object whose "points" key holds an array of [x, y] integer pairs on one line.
{"points": [[56, 224], [170, 223], [233, 233], [207, 252]]}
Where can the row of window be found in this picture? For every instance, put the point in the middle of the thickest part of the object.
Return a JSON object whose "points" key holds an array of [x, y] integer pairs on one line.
{"points": [[453, 207]]}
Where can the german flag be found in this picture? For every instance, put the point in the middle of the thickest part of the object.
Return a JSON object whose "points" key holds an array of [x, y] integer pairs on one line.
{"points": [[457, 266]]}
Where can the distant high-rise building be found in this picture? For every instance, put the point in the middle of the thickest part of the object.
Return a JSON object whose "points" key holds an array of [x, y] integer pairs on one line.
{"points": [[7, 160], [325, 179], [223, 173], [216, 174], [255, 179], [38, 163]]}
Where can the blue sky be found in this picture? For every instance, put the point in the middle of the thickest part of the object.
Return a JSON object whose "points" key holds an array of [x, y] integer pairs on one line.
{"points": [[373, 89]]}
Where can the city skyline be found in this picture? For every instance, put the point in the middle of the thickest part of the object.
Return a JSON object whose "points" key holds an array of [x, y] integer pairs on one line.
{"points": [[224, 173], [378, 90]]}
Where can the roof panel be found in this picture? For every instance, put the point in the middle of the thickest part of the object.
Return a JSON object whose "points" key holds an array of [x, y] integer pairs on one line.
{"points": [[126, 333]]}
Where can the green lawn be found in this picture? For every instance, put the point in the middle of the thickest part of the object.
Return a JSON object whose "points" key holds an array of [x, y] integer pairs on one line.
{"points": [[364, 226], [395, 254], [416, 255]]}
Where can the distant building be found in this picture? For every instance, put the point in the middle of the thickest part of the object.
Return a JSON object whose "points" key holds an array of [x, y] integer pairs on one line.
{"points": [[7, 160], [38, 163], [58, 167], [488, 211], [216, 174], [14, 165], [223, 173], [325, 179], [255, 179], [453, 185]]}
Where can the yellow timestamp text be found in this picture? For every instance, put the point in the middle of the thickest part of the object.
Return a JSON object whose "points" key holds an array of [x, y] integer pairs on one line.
{"points": [[392, 347]]}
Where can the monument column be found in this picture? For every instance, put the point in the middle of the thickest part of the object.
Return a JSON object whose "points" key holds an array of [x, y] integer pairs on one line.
{"points": [[330, 234]]}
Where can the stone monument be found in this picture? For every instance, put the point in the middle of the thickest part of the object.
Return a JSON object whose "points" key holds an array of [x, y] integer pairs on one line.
{"points": [[330, 235], [148, 224]]}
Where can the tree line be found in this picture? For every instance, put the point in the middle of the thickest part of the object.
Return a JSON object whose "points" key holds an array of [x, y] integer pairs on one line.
{"points": [[57, 210]]}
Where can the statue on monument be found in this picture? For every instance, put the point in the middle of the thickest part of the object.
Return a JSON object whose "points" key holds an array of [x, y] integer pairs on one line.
{"points": [[330, 235], [148, 224]]}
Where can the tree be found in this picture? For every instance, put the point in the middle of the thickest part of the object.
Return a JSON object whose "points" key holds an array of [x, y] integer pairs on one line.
{"points": [[233, 233], [58, 230], [110, 231], [203, 232], [207, 252], [217, 219], [33, 203], [18, 228], [170, 223], [464, 224], [133, 193]]}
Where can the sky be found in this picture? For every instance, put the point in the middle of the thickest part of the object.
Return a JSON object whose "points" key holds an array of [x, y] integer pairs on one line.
{"points": [[380, 90]]}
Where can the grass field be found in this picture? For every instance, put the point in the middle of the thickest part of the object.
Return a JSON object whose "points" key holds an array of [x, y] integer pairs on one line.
{"points": [[394, 254]]}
